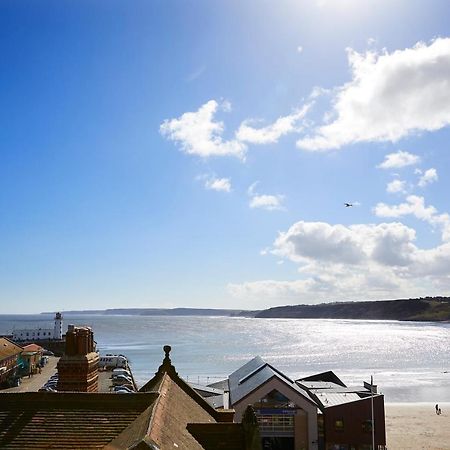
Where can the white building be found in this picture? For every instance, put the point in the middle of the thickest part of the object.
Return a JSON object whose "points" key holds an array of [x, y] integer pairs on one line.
{"points": [[41, 334]]}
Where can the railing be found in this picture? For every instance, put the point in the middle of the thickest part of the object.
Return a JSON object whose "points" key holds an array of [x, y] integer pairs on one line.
{"points": [[203, 380], [279, 424]]}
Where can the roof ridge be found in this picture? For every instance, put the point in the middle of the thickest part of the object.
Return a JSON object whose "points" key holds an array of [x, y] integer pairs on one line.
{"points": [[281, 373]]}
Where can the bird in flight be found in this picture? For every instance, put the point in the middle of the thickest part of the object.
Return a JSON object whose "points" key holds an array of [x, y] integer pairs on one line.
{"points": [[348, 205]]}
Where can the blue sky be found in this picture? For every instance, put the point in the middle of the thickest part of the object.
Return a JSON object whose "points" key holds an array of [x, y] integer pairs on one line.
{"points": [[198, 153]]}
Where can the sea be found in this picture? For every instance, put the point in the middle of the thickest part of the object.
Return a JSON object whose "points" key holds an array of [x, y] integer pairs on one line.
{"points": [[409, 361]]}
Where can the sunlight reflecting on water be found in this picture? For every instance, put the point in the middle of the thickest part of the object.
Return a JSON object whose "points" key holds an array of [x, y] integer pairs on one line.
{"points": [[407, 359]]}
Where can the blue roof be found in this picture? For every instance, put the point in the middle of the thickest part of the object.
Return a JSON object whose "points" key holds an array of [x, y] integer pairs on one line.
{"points": [[254, 374]]}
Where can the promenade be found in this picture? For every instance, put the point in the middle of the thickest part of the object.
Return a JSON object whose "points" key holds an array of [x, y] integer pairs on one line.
{"points": [[35, 382]]}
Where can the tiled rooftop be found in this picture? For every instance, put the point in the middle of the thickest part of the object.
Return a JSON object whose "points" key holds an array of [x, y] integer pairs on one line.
{"points": [[32, 348], [67, 420], [8, 349]]}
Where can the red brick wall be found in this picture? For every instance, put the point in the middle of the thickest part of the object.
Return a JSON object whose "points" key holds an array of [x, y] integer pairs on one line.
{"points": [[354, 414]]}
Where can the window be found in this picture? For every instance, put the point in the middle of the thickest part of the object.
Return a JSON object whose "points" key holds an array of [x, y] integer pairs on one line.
{"points": [[320, 425], [339, 425], [278, 423], [274, 399], [367, 426]]}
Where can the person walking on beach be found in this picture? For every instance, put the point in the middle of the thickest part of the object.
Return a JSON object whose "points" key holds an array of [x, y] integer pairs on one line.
{"points": [[437, 408]]}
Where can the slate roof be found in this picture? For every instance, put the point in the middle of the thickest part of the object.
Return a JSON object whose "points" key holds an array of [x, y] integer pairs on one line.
{"points": [[216, 401], [8, 349], [328, 397], [319, 385], [254, 374], [328, 390], [328, 376], [42, 420], [206, 391], [223, 385]]}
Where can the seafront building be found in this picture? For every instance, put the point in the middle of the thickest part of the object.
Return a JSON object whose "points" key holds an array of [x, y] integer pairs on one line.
{"points": [[316, 413], [9, 360], [40, 334], [345, 416], [30, 359]]}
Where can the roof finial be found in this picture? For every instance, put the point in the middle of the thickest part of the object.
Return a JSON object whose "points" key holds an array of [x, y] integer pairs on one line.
{"points": [[166, 365], [167, 349]]}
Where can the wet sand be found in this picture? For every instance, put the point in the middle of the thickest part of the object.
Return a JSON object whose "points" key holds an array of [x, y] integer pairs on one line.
{"points": [[415, 426]]}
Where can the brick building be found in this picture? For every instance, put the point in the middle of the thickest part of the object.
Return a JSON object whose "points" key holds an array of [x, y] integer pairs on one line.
{"points": [[9, 361], [315, 413], [78, 367], [31, 358]]}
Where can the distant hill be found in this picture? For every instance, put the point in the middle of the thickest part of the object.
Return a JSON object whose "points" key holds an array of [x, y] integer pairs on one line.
{"points": [[415, 309], [165, 312], [434, 309]]}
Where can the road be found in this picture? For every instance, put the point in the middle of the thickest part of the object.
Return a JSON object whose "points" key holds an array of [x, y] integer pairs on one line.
{"points": [[35, 382]]}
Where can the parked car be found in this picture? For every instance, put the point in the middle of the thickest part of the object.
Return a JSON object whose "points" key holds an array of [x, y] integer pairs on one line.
{"points": [[123, 383], [121, 371], [47, 389], [122, 387], [118, 378]]}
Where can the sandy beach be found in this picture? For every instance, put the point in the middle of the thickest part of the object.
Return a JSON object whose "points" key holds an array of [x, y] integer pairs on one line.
{"points": [[415, 426]]}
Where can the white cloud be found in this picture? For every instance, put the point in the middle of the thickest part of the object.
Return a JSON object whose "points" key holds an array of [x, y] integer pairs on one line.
{"points": [[264, 201], [415, 206], [268, 202], [356, 262], [430, 176], [271, 133], [390, 96], [389, 244], [266, 292], [396, 186], [218, 184], [299, 49], [398, 160], [318, 91], [198, 134]]}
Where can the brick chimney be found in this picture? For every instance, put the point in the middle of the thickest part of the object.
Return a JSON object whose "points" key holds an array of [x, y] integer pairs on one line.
{"points": [[78, 368]]}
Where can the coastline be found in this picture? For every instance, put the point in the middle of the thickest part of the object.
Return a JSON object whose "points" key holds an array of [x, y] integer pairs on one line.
{"points": [[414, 426]]}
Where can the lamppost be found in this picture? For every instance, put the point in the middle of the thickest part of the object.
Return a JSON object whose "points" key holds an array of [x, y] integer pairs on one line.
{"points": [[373, 421]]}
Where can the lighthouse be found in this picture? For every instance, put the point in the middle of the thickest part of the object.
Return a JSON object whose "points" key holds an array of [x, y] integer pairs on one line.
{"points": [[57, 330]]}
